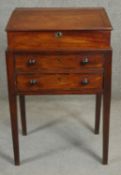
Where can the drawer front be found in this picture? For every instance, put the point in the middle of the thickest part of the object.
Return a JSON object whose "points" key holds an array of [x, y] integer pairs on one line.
{"points": [[57, 63], [35, 83], [62, 40]]}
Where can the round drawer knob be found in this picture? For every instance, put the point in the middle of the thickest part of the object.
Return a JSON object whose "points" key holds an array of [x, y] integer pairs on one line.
{"points": [[85, 81], [33, 82], [31, 62], [58, 34], [85, 61]]}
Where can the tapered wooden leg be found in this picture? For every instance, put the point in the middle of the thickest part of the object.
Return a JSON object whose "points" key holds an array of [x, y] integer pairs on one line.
{"points": [[106, 106], [13, 105], [23, 114], [14, 127], [97, 113], [106, 118]]}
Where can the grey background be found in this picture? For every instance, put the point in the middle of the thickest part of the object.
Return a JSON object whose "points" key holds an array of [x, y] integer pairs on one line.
{"points": [[114, 11]]}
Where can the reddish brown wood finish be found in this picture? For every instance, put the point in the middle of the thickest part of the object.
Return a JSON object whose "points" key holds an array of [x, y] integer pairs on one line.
{"points": [[13, 105], [106, 105], [70, 40], [59, 63], [97, 113], [23, 114], [42, 19], [58, 82], [59, 51]]}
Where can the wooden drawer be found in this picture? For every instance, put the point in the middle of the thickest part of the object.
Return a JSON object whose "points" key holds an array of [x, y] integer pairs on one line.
{"points": [[62, 40], [34, 83], [57, 63]]}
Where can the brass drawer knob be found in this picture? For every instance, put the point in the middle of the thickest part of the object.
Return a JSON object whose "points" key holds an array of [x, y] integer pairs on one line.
{"points": [[31, 62], [85, 61], [85, 81], [33, 82], [58, 34]]}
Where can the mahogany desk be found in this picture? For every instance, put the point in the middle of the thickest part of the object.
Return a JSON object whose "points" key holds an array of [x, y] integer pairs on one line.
{"points": [[59, 51]]}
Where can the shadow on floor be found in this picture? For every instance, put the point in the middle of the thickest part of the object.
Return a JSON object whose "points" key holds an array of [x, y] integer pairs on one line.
{"points": [[69, 137], [78, 144], [39, 156], [46, 126], [6, 157]]}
